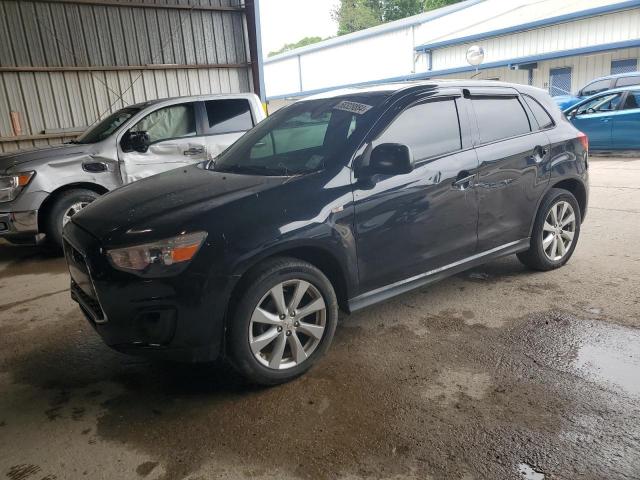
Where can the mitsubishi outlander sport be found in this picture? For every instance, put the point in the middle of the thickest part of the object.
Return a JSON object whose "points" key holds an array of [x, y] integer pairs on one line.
{"points": [[341, 200]]}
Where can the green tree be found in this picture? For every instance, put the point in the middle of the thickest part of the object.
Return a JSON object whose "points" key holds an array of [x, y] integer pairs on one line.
{"points": [[301, 43], [354, 15]]}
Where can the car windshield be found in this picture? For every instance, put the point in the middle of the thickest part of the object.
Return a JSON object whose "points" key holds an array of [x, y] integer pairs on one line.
{"points": [[106, 127], [305, 137]]}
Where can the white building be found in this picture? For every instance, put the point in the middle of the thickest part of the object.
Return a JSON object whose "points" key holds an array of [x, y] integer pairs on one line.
{"points": [[558, 45]]}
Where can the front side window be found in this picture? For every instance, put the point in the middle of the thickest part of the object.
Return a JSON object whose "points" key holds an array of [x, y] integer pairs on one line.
{"points": [[596, 87], [305, 137], [107, 126], [632, 102], [429, 129], [176, 121], [603, 103], [228, 116], [500, 118]]}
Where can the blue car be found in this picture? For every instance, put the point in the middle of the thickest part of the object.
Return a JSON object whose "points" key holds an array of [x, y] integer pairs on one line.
{"points": [[610, 119], [598, 85]]}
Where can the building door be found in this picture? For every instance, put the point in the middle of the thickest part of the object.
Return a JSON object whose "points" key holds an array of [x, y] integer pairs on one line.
{"points": [[560, 81], [624, 66]]}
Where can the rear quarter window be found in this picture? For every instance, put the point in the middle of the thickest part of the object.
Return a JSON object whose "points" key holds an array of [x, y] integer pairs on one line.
{"points": [[500, 118], [541, 116]]}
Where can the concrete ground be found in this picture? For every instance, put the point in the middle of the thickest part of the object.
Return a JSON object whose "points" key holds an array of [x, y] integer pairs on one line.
{"points": [[497, 373]]}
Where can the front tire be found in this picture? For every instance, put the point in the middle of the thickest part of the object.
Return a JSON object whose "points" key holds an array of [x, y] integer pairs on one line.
{"points": [[283, 323], [63, 208], [555, 232]]}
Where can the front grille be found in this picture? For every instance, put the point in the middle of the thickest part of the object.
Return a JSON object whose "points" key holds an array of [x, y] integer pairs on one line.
{"points": [[82, 289], [90, 306]]}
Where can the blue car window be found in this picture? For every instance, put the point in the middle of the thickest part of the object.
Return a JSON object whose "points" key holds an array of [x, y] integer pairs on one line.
{"points": [[604, 103], [632, 102]]}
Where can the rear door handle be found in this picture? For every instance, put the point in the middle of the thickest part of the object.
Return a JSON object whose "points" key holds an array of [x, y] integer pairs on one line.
{"points": [[464, 182], [606, 120], [194, 151]]}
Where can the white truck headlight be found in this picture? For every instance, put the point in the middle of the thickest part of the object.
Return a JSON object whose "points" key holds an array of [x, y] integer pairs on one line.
{"points": [[12, 185]]}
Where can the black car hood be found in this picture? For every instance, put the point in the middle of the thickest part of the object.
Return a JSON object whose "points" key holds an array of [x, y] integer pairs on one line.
{"points": [[43, 154], [177, 195]]}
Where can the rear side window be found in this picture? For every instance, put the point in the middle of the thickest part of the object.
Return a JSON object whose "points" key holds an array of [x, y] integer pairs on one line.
{"points": [[627, 81], [228, 116], [429, 129], [596, 87], [540, 114], [500, 118]]}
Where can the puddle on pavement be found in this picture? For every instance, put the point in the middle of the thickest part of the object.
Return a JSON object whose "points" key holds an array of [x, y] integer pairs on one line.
{"points": [[596, 351], [611, 355], [528, 473]]}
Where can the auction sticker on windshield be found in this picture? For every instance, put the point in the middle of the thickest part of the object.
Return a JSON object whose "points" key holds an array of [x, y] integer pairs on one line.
{"points": [[353, 107]]}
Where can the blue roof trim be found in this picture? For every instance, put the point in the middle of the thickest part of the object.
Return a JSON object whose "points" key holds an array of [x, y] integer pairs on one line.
{"points": [[373, 31], [592, 12], [501, 63]]}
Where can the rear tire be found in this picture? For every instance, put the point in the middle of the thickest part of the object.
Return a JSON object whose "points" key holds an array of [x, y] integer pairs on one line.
{"points": [[271, 340], [63, 208], [556, 231]]}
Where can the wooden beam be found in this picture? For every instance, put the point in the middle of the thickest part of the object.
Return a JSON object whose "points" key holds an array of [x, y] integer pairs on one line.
{"points": [[116, 3], [116, 68]]}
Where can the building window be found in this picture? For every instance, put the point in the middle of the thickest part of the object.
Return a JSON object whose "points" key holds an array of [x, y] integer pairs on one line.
{"points": [[624, 66], [560, 81]]}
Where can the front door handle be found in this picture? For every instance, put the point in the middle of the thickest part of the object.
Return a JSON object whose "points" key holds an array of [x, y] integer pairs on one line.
{"points": [[194, 151], [606, 120], [464, 181]]}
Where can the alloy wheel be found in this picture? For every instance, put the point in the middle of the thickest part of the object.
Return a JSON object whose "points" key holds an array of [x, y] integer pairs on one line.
{"points": [[71, 211], [288, 324], [558, 231]]}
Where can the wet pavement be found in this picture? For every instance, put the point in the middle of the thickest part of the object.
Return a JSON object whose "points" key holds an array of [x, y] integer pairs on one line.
{"points": [[497, 373]]}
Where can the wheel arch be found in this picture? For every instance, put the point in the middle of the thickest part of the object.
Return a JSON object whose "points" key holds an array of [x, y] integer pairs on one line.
{"points": [[44, 209], [320, 257], [578, 189]]}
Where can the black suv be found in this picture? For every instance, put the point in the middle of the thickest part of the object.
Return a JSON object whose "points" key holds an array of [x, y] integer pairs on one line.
{"points": [[343, 199]]}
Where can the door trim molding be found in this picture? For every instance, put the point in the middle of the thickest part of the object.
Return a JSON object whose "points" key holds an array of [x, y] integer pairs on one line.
{"points": [[402, 286]]}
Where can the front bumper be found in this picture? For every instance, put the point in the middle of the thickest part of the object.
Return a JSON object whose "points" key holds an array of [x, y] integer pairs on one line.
{"points": [[178, 318], [17, 225]]}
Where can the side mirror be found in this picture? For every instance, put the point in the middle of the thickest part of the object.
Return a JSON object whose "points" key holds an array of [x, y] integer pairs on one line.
{"points": [[391, 159], [573, 113], [135, 142]]}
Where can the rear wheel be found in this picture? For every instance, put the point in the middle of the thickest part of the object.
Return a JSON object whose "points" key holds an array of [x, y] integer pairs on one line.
{"points": [[65, 206], [283, 323], [555, 232]]}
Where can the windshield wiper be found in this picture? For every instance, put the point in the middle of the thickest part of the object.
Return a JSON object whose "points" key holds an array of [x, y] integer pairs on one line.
{"points": [[72, 142], [251, 169]]}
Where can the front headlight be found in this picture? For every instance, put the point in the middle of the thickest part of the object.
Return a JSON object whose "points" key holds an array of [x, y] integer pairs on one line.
{"points": [[158, 259], [12, 185]]}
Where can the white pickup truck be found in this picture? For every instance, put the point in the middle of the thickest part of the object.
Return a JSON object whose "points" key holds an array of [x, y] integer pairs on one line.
{"points": [[41, 189]]}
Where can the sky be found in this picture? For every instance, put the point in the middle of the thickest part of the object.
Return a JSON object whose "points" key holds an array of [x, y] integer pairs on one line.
{"points": [[287, 21]]}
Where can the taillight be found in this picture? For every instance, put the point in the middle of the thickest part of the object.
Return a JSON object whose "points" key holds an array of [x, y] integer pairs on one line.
{"points": [[584, 140]]}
